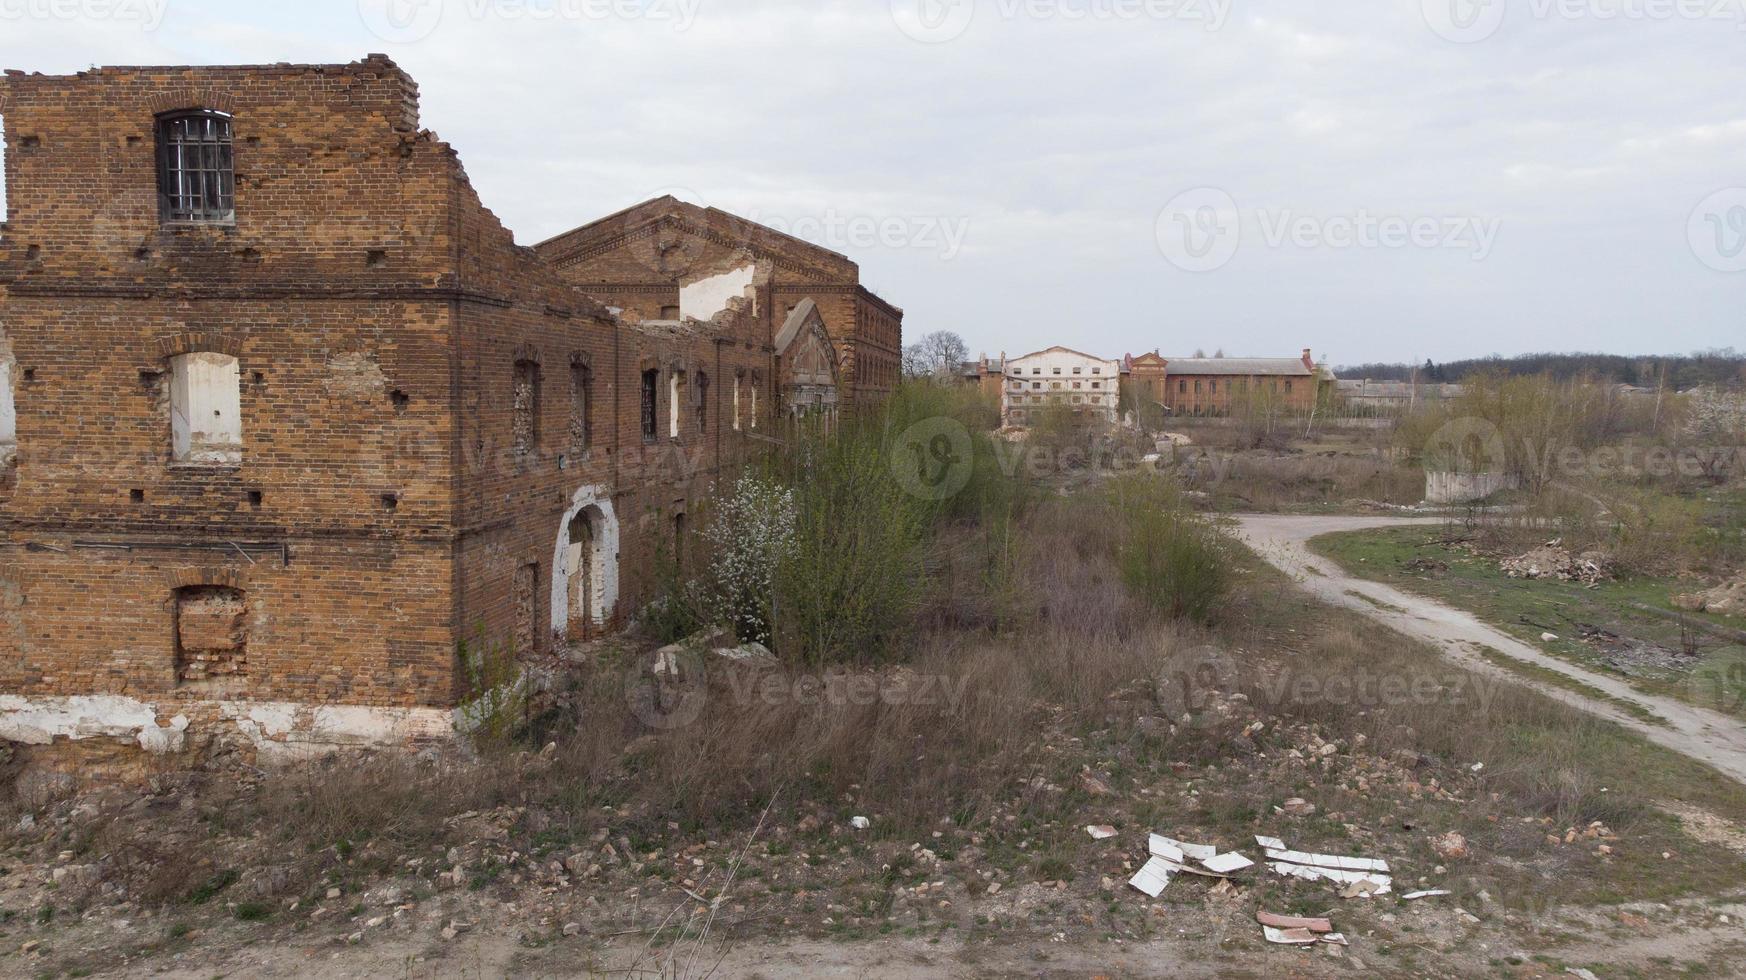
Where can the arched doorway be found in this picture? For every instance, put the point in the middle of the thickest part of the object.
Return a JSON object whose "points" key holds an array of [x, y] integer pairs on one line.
{"points": [[585, 565]]}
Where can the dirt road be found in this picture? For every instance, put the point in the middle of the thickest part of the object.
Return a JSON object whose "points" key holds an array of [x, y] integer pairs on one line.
{"points": [[1282, 540]]}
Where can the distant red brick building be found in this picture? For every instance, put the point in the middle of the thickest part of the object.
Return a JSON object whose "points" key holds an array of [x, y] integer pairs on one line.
{"points": [[1216, 385]]}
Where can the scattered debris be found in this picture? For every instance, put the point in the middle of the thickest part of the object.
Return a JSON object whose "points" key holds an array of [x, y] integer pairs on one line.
{"points": [[860, 823], [1580, 973], [1362, 877], [1225, 864], [1727, 599], [1548, 637], [1152, 878], [1104, 832], [1451, 847], [1433, 893], [1294, 922], [1553, 560], [1298, 807], [1289, 930]]}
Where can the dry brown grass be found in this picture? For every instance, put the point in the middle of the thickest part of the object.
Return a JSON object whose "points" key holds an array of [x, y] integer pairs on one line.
{"points": [[1266, 482]]}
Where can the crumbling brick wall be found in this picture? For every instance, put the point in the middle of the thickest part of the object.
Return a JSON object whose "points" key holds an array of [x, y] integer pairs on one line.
{"points": [[638, 260], [384, 501]]}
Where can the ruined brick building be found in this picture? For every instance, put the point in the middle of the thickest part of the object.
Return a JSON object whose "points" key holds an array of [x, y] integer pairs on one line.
{"points": [[655, 259], [295, 419]]}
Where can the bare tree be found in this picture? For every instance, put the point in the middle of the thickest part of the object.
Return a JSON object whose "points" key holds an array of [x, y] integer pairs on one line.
{"points": [[941, 354]]}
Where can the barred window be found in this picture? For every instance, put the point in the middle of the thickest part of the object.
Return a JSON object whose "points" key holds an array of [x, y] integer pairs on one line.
{"points": [[196, 174]]}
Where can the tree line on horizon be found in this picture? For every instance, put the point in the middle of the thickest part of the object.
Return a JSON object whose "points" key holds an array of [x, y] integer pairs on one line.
{"points": [[1723, 367]]}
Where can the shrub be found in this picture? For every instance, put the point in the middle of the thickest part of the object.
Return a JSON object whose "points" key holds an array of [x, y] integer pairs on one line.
{"points": [[845, 589], [1169, 556], [752, 535]]}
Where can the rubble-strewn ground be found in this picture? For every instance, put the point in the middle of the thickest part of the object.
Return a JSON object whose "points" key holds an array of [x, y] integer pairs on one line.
{"points": [[623, 848]]}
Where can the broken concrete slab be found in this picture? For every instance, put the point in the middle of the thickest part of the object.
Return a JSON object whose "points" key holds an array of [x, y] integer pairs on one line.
{"points": [[1152, 878], [1294, 922]]}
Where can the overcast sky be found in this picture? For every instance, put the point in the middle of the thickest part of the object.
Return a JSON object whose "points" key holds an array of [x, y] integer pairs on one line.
{"points": [[1376, 179]]}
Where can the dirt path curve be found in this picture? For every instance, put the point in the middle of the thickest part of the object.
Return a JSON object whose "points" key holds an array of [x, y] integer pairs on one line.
{"points": [[1282, 540]]}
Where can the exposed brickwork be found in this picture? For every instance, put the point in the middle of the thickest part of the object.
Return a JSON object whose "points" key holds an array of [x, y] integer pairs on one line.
{"points": [[412, 447], [638, 260]]}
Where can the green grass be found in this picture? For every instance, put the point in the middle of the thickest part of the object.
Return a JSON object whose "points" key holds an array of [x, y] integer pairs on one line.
{"points": [[1715, 679]]}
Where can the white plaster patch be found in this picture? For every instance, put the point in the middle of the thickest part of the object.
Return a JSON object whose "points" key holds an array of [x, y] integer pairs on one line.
{"points": [[39, 721], [280, 732], [160, 741], [706, 297], [283, 732], [8, 412], [564, 559]]}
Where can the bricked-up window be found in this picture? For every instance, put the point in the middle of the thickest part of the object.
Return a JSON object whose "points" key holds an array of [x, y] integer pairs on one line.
{"points": [[525, 423], [8, 417], [675, 397], [196, 174], [581, 404], [206, 409], [651, 394], [212, 639], [702, 402]]}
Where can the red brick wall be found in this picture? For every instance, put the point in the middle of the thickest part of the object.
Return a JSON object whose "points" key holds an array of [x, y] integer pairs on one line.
{"points": [[377, 310]]}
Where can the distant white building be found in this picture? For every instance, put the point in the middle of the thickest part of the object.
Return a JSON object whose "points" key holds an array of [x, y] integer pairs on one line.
{"points": [[1059, 376]]}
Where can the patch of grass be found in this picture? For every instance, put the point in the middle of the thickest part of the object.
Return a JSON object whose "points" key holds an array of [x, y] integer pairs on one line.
{"points": [[1715, 678]]}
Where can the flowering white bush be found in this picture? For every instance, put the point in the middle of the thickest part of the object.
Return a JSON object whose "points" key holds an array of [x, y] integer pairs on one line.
{"points": [[1717, 414], [752, 534]]}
